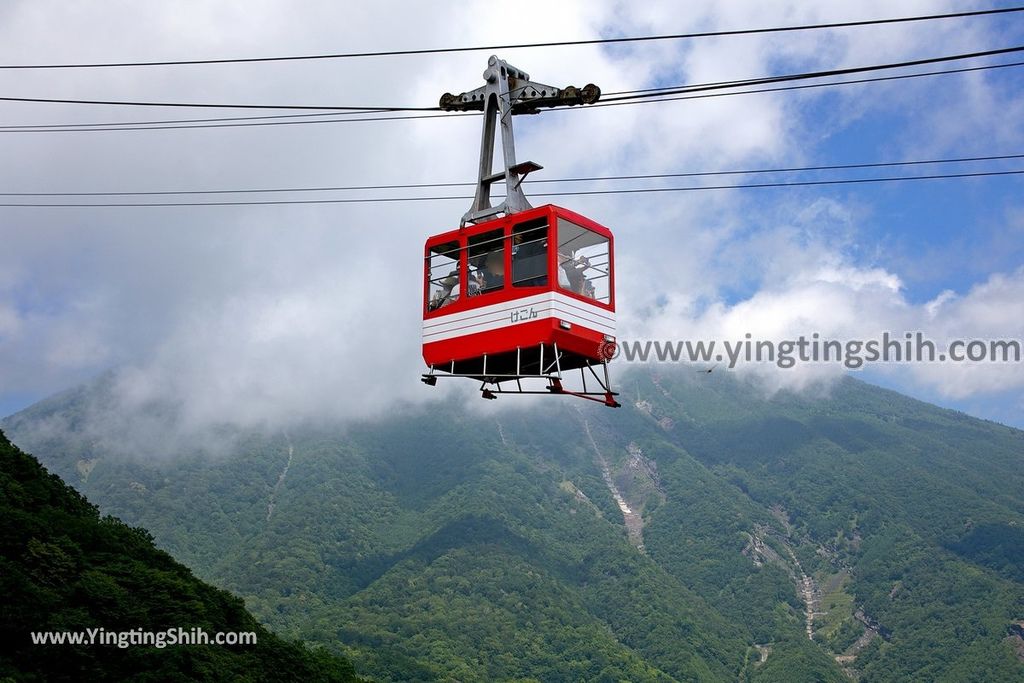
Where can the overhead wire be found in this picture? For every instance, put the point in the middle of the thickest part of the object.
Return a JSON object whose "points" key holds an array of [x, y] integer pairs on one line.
{"points": [[163, 121], [510, 46], [259, 121], [620, 98], [211, 105], [682, 86], [805, 86], [251, 125], [813, 74], [639, 96], [644, 176], [386, 200]]}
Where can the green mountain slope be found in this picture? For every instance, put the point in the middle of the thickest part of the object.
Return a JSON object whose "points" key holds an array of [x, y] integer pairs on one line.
{"points": [[64, 568], [702, 532], [880, 500]]}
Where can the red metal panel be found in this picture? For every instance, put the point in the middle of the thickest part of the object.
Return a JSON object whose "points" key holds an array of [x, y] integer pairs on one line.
{"points": [[579, 340]]}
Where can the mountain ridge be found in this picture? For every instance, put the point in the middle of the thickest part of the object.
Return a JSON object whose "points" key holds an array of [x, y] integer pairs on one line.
{"points": [[762, 521]]}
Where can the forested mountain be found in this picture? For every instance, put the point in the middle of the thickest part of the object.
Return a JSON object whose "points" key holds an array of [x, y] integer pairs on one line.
{"points": [[63, 568], [702, 532]]}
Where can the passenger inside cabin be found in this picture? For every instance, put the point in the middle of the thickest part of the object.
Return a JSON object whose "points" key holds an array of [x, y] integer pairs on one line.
{"points": [[574, 269], [563, 277], [492, 275], [442, 271], [486, 262], [529, 256], [448, 292]]}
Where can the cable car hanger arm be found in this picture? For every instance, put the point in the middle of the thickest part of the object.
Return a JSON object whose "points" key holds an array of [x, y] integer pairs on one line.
{"points": [[508, 90], [530, 96]]}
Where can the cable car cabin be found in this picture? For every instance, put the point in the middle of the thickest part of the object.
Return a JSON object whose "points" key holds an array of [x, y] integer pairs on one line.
{"points": [[530, 294]]}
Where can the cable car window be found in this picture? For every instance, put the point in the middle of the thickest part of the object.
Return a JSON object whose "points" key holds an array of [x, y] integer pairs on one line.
{"points": [[442, 275], [530, 253], [583, 261], [486, 263]]}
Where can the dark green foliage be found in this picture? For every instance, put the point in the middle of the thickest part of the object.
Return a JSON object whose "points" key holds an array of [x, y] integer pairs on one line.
{"points": [[797, 660], [926, 507], [931, 605], [996, 546], [441, 544], [425, 549], [65, 568]]}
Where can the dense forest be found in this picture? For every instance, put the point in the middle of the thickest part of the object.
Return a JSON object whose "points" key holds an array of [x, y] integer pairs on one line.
{"points": [[705, 531], [63, 567]]}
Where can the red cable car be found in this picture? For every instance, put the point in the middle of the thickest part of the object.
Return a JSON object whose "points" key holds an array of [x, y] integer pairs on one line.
{"points": [[525, 296]]}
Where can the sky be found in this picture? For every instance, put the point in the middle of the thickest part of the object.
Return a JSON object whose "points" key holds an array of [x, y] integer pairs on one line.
{"points": [[269, 314]]}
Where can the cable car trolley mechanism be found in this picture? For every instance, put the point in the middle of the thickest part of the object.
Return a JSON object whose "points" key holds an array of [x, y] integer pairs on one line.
{"points": [[519, 297]]}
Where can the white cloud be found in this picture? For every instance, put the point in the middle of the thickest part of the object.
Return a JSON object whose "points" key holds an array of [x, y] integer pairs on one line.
{"points": [[990, 311], [258, 314], [850, 304]]}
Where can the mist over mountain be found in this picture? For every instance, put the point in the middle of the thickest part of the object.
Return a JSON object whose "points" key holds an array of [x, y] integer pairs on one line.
{"points": [[702, 532]]}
